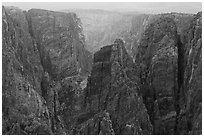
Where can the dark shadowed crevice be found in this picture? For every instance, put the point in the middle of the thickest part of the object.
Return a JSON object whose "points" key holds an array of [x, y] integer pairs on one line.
{"points": [[180, 80]]}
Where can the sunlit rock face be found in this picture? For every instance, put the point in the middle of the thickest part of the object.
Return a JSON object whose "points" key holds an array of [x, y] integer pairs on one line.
{"points": [[111, 97]]}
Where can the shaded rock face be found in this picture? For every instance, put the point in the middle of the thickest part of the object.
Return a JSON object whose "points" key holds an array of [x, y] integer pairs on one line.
{"points": [[44, 61], [60, 41], [157, 58], [163, 55], [142, 21], [23, 109], [101, 27], [111, 100], [192, 81], [45, 89], [61, 44]]}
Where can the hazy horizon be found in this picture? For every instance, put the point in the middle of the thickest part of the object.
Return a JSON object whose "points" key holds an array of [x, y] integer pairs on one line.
{"points": [[145, 7]]}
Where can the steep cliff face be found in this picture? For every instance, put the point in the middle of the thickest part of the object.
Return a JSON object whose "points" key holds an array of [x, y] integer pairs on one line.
{"points": [[163, 55], [157, 58], [142, 21], [111, 101], [41, 50], [60, 41], [102, 27], [24, 110], [45, 89], [192, 79]]}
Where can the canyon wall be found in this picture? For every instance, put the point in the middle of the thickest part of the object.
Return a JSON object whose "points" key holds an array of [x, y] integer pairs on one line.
{"points": [[163, 55], [41, 50], [112, 104], [147, 82]]}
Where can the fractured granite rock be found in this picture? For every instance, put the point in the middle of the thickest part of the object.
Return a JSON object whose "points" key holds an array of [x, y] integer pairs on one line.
{"points": [[40, 49], [24, 110], [112, 87], [163, 56]]}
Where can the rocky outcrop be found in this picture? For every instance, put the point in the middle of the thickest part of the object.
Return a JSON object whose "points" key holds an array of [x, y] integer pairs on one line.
{"points": [[142, 21], [24, 110], [164, 67], [157, 58], [41, 50], [63, 55], [111, 101], [192, 79], [60, 41], [102, 27], [45, 89]]}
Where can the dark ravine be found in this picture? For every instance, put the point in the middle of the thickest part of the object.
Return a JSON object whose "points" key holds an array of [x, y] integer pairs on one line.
{"points": [[148, 83], [180, 80]]}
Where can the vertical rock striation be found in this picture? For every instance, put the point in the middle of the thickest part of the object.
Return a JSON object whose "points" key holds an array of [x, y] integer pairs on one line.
{"points": [[166, 55], [191, 90], [41, 50], [111, 101], [60, 42], [45, 89], [157, 58], [24, 110]]}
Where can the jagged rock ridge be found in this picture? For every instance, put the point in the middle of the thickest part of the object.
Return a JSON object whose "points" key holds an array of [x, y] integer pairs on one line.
{"points": [[45, 89], [111, 101]]}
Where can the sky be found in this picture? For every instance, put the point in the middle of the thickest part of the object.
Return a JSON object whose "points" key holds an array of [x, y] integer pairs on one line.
{"points": [[146, 7]]}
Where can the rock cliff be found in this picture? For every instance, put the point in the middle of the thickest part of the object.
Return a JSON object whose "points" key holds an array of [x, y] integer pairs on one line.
{"points": [[41, 50], [148, 83], [24, 110], [60, 40], [163, 55], [112, 104], [191, 89]]}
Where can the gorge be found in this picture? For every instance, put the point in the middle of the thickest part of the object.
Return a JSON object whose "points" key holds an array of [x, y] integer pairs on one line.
{"points": [[84, 74]]}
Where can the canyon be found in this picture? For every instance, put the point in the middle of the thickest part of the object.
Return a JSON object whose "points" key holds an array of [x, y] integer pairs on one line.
{"points": [[101, 73]]}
